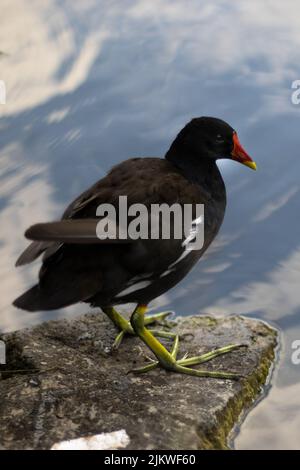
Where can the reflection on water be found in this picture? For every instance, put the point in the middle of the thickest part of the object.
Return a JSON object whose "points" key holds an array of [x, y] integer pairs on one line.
{"points": [[92, 83]]}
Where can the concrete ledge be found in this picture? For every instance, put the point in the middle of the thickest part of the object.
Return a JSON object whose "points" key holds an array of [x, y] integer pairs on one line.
{"points": [[82, 389]]}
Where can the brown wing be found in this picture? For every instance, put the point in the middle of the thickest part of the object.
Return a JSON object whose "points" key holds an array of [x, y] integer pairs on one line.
{"points": [[142, 180]]}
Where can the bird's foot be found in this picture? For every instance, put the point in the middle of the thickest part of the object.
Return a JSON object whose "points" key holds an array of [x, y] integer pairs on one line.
{"points": [[126, 329], [168, 360], [181, 365]]}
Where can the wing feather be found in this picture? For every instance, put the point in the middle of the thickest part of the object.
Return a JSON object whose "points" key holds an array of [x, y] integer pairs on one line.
{"points": [[77, 231]]}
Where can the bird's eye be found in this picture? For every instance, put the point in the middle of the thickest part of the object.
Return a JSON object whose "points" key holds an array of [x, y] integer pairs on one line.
{"points": [[219, 139]]}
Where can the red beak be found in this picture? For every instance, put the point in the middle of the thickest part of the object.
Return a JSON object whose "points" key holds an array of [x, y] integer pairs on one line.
{"points": [[240, 155]]}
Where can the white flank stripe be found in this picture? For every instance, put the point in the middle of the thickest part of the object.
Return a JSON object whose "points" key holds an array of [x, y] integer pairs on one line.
{"points": [[134, 288]]}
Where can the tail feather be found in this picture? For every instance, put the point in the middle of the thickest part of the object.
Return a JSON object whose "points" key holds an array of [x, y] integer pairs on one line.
{"points": [[35, 299], [32, 252], [30, 300]]}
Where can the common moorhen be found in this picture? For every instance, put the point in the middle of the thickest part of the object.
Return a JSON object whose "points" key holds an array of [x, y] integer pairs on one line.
{"points": [[79, 266]]}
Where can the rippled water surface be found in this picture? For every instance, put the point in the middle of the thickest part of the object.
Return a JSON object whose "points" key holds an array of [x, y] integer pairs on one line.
{"points": [[92, 83]]}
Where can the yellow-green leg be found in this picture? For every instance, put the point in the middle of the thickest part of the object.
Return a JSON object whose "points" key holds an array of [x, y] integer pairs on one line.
{"points": [[168, 360], [125, 327], [121, 323]]}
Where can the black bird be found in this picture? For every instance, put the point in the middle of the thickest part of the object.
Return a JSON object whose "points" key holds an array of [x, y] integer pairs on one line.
{"points": [[78, 266]]}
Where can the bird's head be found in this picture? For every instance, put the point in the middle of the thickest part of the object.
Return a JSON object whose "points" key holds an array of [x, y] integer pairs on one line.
{"points": [[210, 138]]}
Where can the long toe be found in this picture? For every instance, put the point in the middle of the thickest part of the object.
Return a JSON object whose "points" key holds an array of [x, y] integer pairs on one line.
{"points": [[192, 361], [158, 317]]}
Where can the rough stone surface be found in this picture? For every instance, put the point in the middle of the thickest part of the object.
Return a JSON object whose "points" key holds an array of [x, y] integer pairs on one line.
{"points": [[82, 389]]}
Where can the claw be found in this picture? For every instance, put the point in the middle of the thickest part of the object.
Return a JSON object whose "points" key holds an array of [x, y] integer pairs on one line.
{"points": [[184, 357]]}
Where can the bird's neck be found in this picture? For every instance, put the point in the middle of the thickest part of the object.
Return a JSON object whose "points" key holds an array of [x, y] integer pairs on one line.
{"points": [[197, 170]]}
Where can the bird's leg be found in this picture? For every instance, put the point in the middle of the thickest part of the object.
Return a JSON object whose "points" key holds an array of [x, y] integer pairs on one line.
{"points": [[121, 323], [125, 327], [118, 320], [154, 364], [168, 360]]}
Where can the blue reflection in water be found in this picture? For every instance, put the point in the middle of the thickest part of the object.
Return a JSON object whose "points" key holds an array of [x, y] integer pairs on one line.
{"points": [[91, 85]]}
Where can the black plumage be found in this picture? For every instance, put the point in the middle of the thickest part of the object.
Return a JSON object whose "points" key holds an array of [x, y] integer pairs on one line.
{"points": [[77, 266]]}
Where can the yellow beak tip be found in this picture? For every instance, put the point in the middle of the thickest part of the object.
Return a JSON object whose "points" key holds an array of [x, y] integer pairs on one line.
{"points": [[251, 165]]}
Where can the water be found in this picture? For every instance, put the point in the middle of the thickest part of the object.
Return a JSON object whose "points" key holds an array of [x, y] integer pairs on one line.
{"points": [[92, 83]]}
